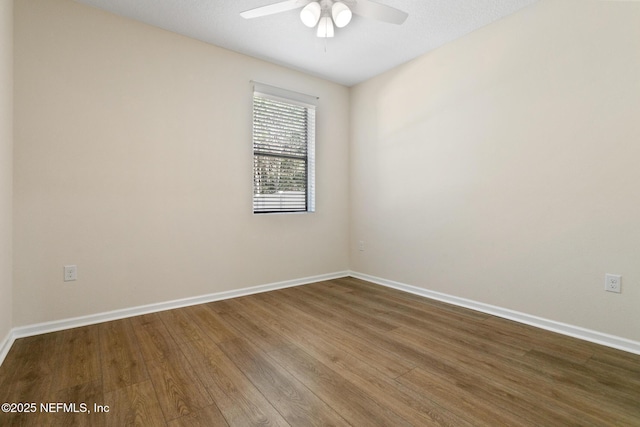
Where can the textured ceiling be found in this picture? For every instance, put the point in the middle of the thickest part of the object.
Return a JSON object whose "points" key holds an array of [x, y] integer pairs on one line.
{"points": [[358, 52]]}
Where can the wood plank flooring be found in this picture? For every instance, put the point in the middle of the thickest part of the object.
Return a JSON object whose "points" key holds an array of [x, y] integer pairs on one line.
{"points": [[340, 352]]}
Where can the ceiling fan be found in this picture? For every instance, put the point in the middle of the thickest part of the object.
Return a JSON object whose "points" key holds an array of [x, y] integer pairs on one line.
{"points": [[326, 13]]}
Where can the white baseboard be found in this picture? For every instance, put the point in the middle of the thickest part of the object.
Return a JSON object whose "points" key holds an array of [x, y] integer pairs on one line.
{"points": [[550, 325], [58, 325], [5, 346]]}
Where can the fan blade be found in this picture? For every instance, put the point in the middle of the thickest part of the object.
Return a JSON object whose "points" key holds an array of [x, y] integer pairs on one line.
{"points": [[274, 8], [381, 12]]}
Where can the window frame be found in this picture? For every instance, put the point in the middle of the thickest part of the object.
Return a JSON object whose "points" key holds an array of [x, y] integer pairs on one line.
{"points": [[296, 99]]}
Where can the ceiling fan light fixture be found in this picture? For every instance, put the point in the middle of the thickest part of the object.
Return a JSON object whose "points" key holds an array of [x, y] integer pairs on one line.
{"points": [[310, 14], [325, 27], [341, 14]]}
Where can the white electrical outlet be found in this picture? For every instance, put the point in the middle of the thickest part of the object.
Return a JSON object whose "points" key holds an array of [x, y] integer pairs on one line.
{"points": [[361, 245], [613, 283], [70, 273]]}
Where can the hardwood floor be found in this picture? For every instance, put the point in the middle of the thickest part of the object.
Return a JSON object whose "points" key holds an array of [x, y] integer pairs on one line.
{"points": [[341, 352]]}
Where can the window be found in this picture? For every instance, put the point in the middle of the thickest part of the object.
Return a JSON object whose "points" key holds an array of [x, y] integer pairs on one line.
{"points": [[283, 152]]}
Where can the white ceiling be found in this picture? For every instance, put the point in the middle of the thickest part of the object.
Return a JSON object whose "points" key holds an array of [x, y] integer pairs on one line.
{"points": [[358, 52]]}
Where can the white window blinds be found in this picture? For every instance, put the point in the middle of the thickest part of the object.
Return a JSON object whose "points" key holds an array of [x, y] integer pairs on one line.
{"points": [[283, 154]]}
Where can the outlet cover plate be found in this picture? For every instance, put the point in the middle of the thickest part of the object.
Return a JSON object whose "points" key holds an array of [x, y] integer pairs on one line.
{"points": [[70, 273], [613, 283]]}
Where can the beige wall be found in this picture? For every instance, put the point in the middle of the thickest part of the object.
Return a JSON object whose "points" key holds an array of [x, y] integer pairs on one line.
{"points": [[133, 160], [505, 166], [6, 159]]}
